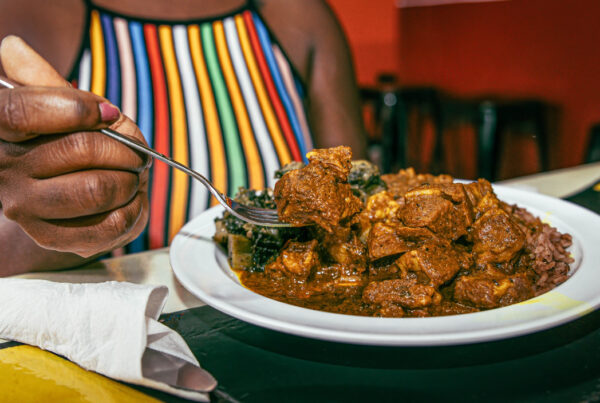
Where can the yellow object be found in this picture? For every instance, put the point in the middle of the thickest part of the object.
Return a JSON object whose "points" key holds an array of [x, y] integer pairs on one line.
{"points": [[597, 187], [29, 374], [554, 299]]}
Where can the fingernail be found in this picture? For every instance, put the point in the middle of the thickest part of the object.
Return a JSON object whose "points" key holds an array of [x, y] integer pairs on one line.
{"points": [[108, 112]]}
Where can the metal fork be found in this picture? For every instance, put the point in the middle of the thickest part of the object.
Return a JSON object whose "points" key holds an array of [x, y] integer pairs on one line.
{"points": [[251, 214]]}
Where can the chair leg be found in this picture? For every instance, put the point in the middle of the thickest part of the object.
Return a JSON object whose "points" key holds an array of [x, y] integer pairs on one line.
{"points": [[401, 125], [388, 136], [541, 137], [487, 133], [439, 158]]}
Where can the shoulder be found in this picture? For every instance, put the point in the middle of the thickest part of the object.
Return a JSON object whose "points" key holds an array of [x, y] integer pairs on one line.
{"points": [[295, 7], [312, 17], [301, 27]]}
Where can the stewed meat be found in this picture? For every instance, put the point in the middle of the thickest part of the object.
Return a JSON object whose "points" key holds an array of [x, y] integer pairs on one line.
{"points": [[424, 246]]}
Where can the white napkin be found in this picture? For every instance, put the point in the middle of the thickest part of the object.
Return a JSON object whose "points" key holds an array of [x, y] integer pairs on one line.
{"points": [[110, 328]]}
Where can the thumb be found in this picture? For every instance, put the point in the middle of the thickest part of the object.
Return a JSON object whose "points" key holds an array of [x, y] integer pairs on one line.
{"points": [[25, 66]]}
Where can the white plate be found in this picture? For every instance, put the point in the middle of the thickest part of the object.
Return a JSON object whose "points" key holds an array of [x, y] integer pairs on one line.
{"points": [[202, 268]]}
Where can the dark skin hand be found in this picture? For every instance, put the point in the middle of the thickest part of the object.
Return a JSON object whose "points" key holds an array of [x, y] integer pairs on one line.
{"points": [[63, 186], [69, 193]]}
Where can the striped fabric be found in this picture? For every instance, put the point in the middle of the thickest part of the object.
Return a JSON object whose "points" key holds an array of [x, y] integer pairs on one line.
{"points": [[217, 95]]}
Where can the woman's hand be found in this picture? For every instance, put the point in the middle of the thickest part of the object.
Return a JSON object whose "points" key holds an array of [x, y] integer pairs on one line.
{"points": [[70, 188]]}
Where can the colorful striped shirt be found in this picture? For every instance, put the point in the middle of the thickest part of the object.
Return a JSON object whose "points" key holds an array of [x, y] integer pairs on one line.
{"points": [[217, 95]]}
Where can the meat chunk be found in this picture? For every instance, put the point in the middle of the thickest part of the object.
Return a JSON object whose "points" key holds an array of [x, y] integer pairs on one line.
{"points": [[478, 190], [424, 206], [319, 192], [488, 202], [492, 289], [380, 272], [343, 246], [381, 207], [351, 252], [496, 237], [336, 279], [437, 262], [378, 207], [482, 197], [404, 292], [297, 259], [392, 239], [390, 310], [337, 161], [406, 179], [435, 207]]}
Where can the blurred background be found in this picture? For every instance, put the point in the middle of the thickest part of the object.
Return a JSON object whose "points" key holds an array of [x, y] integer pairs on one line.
{"points": [[491, 88]]}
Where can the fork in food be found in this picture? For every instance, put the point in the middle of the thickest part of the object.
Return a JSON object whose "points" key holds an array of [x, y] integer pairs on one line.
{"points": [[250, 214]]}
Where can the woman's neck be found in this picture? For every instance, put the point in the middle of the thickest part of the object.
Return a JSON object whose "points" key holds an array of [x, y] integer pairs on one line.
{"points": [[171, 9]]}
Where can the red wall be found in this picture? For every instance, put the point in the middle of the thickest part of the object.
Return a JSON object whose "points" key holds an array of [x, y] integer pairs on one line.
{"points": [[372, 30], [543, 48]]}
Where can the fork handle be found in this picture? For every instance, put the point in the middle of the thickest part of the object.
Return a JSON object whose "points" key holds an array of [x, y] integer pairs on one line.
{"points": [[136, 145]]}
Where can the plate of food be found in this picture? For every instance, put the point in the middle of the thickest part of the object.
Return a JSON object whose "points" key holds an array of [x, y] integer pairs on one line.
{"points": [[400, 259]]}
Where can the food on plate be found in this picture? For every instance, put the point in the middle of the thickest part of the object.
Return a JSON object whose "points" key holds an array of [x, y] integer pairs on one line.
{"points": [[393, 245], [318, 193]]}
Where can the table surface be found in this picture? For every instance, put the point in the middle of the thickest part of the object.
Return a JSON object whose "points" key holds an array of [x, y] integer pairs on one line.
{"points": [[255, 364]]}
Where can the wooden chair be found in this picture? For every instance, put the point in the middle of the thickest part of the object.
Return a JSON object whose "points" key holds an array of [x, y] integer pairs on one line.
{"points": [[493, 119], [388, 108], [385, 122]]}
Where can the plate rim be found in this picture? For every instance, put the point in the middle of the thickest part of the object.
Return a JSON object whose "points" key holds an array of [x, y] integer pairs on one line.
{"points": [[331, 333]]}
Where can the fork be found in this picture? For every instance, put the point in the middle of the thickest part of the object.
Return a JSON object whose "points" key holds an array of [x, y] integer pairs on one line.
{"points": [[253, 215]]}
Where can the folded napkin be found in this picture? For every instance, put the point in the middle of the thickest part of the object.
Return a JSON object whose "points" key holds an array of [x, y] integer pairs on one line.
{"points": [[110, 328]]}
